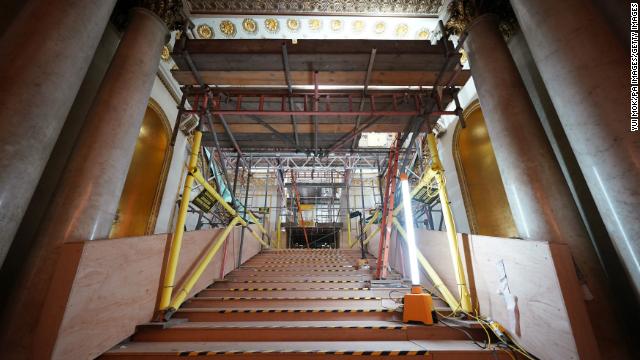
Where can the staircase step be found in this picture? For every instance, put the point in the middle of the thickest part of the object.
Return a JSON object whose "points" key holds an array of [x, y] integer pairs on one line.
{"points": [[319, 284], [291, 277], [301, 331], [286, 314], [426, 349], [293, 292], [307, 303]]}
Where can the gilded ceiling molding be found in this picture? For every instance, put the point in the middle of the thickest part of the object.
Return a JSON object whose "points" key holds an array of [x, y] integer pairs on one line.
{"points": [[417, 8], [462, 12], [174, 13]]}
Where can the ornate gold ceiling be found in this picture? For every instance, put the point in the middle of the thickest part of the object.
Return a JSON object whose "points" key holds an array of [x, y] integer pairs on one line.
{"points": [[406, 8]]}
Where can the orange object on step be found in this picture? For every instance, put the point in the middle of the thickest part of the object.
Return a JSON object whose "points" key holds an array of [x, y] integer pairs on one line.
{"points": [[418, 306]]}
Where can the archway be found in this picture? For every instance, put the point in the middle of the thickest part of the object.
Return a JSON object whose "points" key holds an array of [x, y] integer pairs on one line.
{"points": [[140, 199], [482, 188]]}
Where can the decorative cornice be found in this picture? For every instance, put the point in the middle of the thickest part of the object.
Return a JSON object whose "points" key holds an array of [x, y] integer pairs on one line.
{"points": [[417, 8], [174, 13], [462, 12]]}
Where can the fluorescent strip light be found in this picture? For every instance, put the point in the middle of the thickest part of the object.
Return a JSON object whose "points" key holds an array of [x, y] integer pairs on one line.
{"points": [[408, 223]]}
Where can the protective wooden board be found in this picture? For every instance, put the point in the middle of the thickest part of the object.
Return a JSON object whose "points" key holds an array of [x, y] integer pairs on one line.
{"points": [[540, 321], [277, 78], [550, 317], [309, 46], [115, 288], [319, 62]]}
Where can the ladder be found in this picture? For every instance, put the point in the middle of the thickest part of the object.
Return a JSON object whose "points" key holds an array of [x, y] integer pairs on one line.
{"points": [[386, 223]]}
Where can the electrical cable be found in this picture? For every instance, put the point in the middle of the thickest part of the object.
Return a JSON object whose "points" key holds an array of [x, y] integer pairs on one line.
{"points": [[484, 347]]}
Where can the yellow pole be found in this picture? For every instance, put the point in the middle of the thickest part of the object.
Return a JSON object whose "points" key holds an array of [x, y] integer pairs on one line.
{"points": [[176, 243], [374, 233], [201, 267], [257, 237], [447, 296], [366, 228], [349, 228], [373, 218], [199, 178], [278, 229], [463, 291], [258, 224]]}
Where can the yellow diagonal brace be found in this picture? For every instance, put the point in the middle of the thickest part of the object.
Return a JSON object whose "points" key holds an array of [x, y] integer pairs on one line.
{"points": [[200, 179], [202, 266], [258, 224], [447, 296]]}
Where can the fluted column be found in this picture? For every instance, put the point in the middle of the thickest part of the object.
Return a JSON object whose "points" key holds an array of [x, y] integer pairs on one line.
{"points": [[44, 56], [539, 197], [586, 71], [86, 200]]}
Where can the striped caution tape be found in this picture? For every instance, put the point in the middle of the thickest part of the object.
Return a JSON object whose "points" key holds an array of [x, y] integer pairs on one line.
{"points": [[301, 281], [302, 261], [305, 311], [292, 289], [363, 327], [303, 274], [288, 266], [285, 270], [316, 352], [224, 298]]}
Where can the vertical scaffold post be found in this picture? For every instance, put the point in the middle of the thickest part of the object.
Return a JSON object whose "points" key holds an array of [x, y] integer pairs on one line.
{"points": [[176, 243], [452, 235]]}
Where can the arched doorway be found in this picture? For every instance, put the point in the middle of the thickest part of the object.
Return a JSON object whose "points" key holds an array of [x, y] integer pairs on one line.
{"points": [[483, 192], [140, 199]]}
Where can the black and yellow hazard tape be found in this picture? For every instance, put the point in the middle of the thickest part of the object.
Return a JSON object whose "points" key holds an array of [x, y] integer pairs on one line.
{"points": [[289, 266], [293, 289], [225, 298], [285, 270], [301, 273], [315, 352], [302, 281], [305, 311]]}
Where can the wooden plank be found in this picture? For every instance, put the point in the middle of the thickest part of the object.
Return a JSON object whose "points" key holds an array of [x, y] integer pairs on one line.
{"points": [[310, 46], [303, 128], [320, 62], [115, 286], [549, 320], [277, 78], [574, 302]]}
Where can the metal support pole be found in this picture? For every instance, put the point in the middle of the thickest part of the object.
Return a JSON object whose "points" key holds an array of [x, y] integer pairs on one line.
{"points": [[463, 291], [176, 126], [367, 79], [287, 76], [176, 243], [266, 192], [220, 153], [363, 234], [235, 176], [244, 212], [347, 184], [199, 270]]}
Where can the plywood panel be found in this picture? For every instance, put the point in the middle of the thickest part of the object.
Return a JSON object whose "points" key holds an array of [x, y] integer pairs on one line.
{"points": [[115, 288], [277, 78], [550, 319]]}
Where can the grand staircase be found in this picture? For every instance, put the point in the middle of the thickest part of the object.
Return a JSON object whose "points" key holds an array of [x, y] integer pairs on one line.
{"points": [[303, 304]]}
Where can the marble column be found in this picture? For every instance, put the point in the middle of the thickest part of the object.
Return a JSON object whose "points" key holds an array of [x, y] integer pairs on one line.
{"points": [[44, 56], [586, 72], [87, 198], [539, 197]]}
